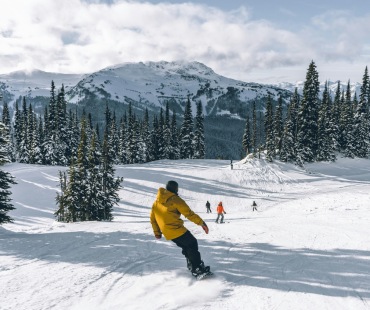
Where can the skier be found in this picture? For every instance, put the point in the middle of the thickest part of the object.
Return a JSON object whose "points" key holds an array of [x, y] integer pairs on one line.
{"points": [[220, 212], [208, 206], [165, 219], [254, 205], [231, 164]]}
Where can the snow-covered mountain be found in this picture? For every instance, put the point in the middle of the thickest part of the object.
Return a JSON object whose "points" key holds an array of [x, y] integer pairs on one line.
{"points": [[149, 84], [34, 83], [152, 84]]}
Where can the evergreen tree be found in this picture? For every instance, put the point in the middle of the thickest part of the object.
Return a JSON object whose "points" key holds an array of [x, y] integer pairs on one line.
{"points": [[347, 121], [17, 131], [154, 150], [174, 138], [269, 130], [110, 185], [287, 152], [167, 147], [123, 141], [247, 143], [7, 132], [360, 120], [199, 146], [23, 153], [160, 136], [61, 213], [278, 125], [254, 129], [335, 118], [6, 178], [307, 118], [146, 137], [325, 147], [186, 133]]}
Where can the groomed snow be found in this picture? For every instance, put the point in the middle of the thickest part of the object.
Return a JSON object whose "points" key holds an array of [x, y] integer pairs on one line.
{"points": [[307, 247]]}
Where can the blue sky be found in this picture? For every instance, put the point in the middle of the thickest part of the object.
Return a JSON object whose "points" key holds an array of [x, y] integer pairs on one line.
{"points": [[262, 41]]}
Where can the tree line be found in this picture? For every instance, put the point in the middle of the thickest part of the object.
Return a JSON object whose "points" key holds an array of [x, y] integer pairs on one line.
{"points": [[315, 128]]}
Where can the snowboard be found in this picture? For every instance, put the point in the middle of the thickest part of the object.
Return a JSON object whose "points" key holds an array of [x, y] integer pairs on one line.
{"points": [[204, 275]]}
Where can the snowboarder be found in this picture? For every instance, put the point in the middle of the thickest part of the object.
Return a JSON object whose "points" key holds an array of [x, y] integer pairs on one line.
{"points": [[220, 212], [208, 206], [165, 219], [254, 205]]}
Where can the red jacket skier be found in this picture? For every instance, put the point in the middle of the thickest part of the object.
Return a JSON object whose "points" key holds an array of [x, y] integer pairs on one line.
{"points": [[220, 212]]}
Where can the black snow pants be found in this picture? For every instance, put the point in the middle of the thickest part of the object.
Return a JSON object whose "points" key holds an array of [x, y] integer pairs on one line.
{"points": [[189, 246]]}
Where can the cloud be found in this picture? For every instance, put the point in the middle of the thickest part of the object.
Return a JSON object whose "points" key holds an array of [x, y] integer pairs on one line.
{"points": [[75, 36]]}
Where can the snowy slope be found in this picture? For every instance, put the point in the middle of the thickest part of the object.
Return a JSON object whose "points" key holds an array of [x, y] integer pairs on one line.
{"points": [[307, 247]]}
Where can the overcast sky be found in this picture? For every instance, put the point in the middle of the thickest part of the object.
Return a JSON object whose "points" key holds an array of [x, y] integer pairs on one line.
{"points": [[261, 41]]}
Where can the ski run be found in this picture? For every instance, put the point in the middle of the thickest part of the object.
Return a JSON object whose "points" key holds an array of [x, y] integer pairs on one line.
{"points": [[306, 247]]}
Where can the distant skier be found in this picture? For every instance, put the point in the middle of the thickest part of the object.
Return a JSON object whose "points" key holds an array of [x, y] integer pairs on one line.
{"points": [[208, 206], [254, 205], [165, 218], [231, 164], [220, 212]]}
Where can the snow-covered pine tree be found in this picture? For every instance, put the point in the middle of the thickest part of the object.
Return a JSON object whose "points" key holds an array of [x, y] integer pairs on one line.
{"points": [[278, 124], [62, 128], [174, 138], [254, 129], [131, 148], [167, 149], [23, 154], [154, 150], [8, 130], [140, 155], [247, 142], [55, 145], [307, 118], [81, 177], [361, 120], [123, 140], [347, 121], [325, 147], [73, 137], [61, 213], [269, 130], [186, 133], [110, 185], [94, 182], [160, 136], [6, 179], [114, 141], [287, 152], [37, 140], [17, 131], [146, 136], [199, 145], [335, 118]]}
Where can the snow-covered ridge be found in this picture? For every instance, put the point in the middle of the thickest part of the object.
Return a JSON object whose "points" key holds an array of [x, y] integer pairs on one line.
{"points": [[148, 84]]}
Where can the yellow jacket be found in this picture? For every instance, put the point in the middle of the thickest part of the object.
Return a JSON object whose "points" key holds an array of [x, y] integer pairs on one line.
{"points": [[166, 212]]}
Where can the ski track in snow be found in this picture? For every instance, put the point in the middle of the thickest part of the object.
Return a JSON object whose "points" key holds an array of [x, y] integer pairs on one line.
{"points": [[307, 246]]}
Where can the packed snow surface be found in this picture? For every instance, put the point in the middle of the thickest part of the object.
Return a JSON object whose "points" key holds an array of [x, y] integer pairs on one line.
{"points": [[307, 246]]}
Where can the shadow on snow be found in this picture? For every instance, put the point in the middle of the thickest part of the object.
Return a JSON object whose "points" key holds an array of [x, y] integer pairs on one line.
{"points": [[338, 272]]}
